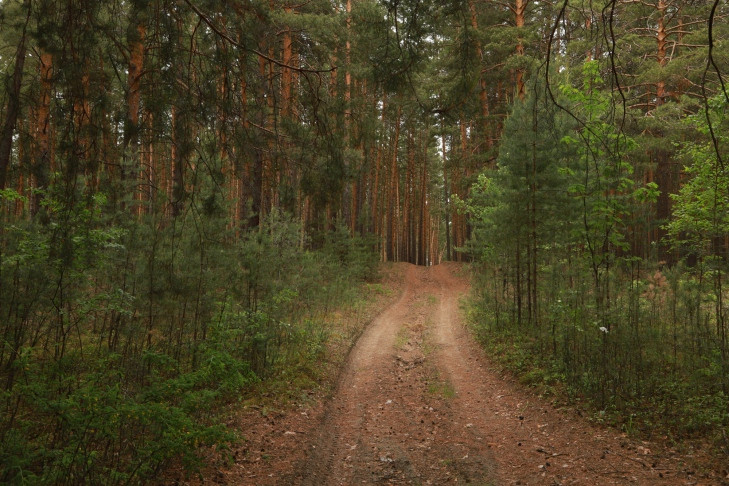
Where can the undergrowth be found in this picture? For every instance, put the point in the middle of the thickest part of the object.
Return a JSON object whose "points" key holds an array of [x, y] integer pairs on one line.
{"points": [[123, 341], [670, 402]]}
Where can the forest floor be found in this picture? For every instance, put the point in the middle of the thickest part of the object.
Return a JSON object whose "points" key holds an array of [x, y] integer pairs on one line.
{"points": [[418, 402]]}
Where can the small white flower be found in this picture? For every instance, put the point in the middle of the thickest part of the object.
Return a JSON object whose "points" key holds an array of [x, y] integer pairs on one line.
{"points": [[604, 329]]}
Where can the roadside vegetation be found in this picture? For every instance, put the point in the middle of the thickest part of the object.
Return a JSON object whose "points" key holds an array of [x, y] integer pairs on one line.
{"points": [[123, 340], [561, 295]]}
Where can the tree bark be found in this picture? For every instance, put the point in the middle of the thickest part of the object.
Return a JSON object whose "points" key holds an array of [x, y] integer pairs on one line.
{"points": [[43, 163], [376, 219], [446, 195], [519, 9], [132, 166], [393, 199], [11, 116], [483, 94]]}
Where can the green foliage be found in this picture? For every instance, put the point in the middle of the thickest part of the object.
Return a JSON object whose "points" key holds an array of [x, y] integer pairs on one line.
{"points": [[123, 339], [603, 181], [701, 212], [93, 429], [529, 183], [558, 294]]}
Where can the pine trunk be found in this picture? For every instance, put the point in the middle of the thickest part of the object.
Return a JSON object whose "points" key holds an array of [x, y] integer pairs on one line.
{"points": [[133, 163], [519, 9], [13, 109]]}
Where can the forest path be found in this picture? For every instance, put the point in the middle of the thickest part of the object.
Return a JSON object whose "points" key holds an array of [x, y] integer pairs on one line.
{"points": [[393, 419], [419, 403]]}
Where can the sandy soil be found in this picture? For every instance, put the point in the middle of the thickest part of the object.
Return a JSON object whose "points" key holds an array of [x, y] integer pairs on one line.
{"points": [[417, 402]]}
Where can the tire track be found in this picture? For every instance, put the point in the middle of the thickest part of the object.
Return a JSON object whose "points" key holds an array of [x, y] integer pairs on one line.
{"points": [[419, 403]]}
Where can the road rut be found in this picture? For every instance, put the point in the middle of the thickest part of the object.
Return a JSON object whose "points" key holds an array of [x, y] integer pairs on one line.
{"points": [[418, 402]]}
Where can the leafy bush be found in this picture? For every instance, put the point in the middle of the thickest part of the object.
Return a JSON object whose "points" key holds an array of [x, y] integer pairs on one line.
{"points": [[123, 338]]}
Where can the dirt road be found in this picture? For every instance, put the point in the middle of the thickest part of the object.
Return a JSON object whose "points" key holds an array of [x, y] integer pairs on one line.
{"points": [[418, 403]]}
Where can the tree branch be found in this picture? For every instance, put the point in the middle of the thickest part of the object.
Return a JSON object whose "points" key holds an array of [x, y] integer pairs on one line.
{"points": [[709, 64], [237, 44]]}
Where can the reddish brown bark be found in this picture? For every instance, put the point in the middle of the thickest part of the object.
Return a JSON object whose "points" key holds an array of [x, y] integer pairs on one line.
{"points": [[43, 163], [348, 74], [459, 220], [664, 176], [286, 73], [134, 162], [519, 10], [661, 37], [407, 219], [179, 158], [446, 193], [134, 76], [151, 166], [376, 218], [23, 157], [393, 201], [483, 93], [424, 223]]}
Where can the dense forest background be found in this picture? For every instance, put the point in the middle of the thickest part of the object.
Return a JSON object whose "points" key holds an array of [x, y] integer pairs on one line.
{"points": [[187, 186]]}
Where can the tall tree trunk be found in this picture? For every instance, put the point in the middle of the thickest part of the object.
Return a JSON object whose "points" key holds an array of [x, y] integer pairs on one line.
{"points": [[82, 123], [407, 212], [227, 169], [133, 162], [393, 202], [286, 73], [483, 93], [268, 176], [24, 156], [13, 90], [153, 164], [376, 218], [257, 167], [519, 9], [459, 220], [179, 158], [664, 172], [446, 195], [423, 246], [43, 163], [661, 37], [246, 208], [348, 74], [107, 154]]}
